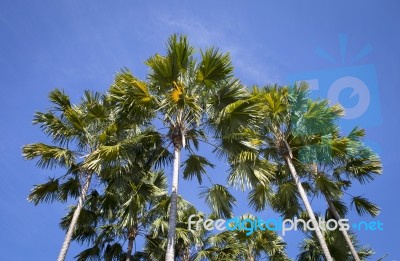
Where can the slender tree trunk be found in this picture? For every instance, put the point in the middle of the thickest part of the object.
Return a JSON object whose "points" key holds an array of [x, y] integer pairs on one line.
{"points": [[170, 254], [131, 238], [344, 232], [68, 236], [308, 208]]}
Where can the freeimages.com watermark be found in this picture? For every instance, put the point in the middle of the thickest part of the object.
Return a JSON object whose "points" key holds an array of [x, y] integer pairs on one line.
{"points": [[250, 225]]}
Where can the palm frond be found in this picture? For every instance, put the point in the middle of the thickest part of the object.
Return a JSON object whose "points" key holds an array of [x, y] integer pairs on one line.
{"points": [[57, 129], [132, 98], [89, 254], [364, 206], [214, 67], [47, 192], [195, 166], [327, 187], [60, 99], [340, 207], [70, 189], [49, 156], [219, 200], [260, 197]]}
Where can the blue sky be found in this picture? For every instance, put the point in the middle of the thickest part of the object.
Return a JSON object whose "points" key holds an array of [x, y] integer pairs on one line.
{"points": [[78, 45]]}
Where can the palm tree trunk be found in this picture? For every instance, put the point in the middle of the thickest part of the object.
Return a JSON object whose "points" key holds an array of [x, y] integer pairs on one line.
{"points": [[344, 232], [308, 208], [170, 254], [68, 236], [131, 238]]}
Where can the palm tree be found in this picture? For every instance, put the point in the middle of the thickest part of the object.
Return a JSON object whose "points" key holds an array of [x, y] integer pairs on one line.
{"points": [[320, 152], [157, 233], [336, 162], [76, 131], [222, 246], [182, 86], [120, 214], [289, 120], [189, 99]]}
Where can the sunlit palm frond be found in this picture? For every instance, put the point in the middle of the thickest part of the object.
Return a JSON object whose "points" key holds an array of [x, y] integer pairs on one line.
{"points": [[57, 129], [214, 67], [49, 156], [131, 98]]}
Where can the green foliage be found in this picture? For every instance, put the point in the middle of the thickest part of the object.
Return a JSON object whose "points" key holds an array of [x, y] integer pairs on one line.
{"points": [[49, 156], [219, 200], [47, 192], [364, 206], [117, 138], [214, 67], [194, 166]]}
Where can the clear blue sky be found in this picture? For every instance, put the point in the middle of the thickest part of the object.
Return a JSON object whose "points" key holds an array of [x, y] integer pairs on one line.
{"points": [[79, 45]]}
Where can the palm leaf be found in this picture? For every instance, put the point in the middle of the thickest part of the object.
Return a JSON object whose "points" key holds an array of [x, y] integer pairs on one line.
{"points": [[70, 188], [89, 254], [364, 206], [260, 196], [60, 99], [214, 67], [219, 200], [195, 166], [56, 128], [327, 186], [47, 192], [340, 207], [49, 156]]}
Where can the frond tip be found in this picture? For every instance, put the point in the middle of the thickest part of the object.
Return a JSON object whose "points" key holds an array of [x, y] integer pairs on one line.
{"points": [[364, 206]]}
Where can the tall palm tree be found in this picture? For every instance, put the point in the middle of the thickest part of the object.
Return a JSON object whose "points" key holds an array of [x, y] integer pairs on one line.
{"points": [[120, 214], [330, 166], [75, 131], [125, 162], [182, 87], [289, 120], [338, 161], [188, 98], [318, 151]]}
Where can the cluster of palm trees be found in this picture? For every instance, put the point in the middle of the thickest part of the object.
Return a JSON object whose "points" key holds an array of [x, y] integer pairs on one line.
{"points": [[280, 145]]}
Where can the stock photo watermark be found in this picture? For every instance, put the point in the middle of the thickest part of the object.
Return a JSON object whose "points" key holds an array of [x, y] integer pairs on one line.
{"points": [[349, 82], [251, 225]]}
